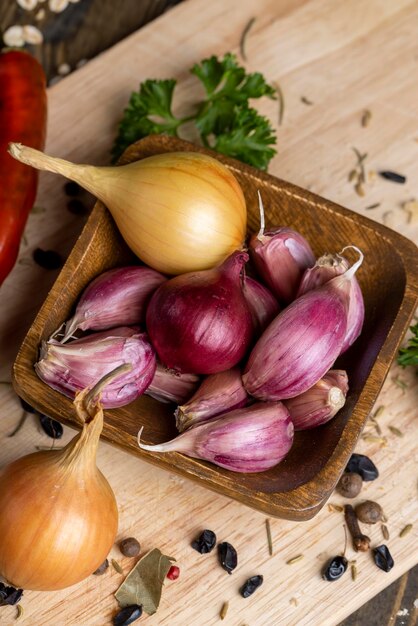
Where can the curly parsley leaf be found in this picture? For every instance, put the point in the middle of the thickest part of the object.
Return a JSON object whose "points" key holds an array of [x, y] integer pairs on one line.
{"points": [[409, 355], [148, 112]]}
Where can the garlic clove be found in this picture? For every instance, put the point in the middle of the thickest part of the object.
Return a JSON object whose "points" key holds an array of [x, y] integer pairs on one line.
{"points": [[170, 386], [261, 302], [247, 440]]}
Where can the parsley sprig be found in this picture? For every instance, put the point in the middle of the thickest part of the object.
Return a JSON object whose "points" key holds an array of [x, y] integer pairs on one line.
{"points": [[224, 119], [409, 355]]}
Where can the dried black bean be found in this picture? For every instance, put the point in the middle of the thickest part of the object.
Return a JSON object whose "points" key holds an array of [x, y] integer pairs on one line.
{"points": [[130, 546], [205, 542], [48, 259], [102, 568], [383, 558], [250, 586], [9, 595], [51, 427], [335, 568], [128, 615], [71, 188], [361, 464], [228, 557], [26, 407], [77, 207], [393, 177]]}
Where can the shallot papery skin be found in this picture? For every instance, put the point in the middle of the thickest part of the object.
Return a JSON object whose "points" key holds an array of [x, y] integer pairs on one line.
{"points": [[281, 256], [216, 394], [251, 439], [118, 297], [321, 402], [327, 267], [299, 346], [74, 366], [200, 322], [169, 386], [262, 304]]}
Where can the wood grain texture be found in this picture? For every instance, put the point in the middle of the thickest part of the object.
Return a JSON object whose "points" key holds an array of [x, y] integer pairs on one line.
{"points": [[297, 487], [343, 56]]}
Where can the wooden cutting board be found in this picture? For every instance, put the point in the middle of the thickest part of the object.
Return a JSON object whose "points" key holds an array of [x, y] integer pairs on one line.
{"points": [[344, 57]]}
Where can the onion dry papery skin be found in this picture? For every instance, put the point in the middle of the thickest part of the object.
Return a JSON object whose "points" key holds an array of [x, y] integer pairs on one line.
{"points": [[118, 297], [169, 386], [200, 322], [250, 439], [327, 267], [218, 393], [302, 342], [321, 402], [73, 366], [262, 304], [59, 515], [178, 211]]}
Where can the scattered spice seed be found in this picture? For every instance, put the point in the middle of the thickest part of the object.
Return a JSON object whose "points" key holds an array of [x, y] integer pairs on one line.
{"points": [[102, 568], [383, 558], [280, 98], [173, 573], [373, 439], [294, 601], [51, 427], [353, 571], [48, 259], [19, 424], [335, 508], [224, 610], [365, 118], [305, 100], [295, 559], [376, 425], [359, 189], [372, 206], [116, 566], [400, 383], [269, 539], [405, 530], [250, 585], [379, 411], [130, 547], [385, 532], [205, 542], [393, 177], [395, 431], [51, 447], [361, 543], [352, 175], [243, 38], [372, 175]]}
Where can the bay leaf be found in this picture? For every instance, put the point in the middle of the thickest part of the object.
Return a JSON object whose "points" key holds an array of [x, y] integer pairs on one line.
{"points": [[143, 585]]}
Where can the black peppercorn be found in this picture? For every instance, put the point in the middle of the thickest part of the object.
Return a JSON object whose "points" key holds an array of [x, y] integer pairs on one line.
{"points": [[228, 557], [9, 595], [71, 188], [250, 586], [48, 259], [383, 558], [77, 207], [205, 542], [350, 484], [51, 427], [361, 464], [335, 568], [127, 615], [102, 568], [369, 512], [26, 407], [130, 547]]}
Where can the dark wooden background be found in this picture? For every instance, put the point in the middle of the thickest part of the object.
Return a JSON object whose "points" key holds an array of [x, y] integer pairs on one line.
{"points": [[78, 34]]}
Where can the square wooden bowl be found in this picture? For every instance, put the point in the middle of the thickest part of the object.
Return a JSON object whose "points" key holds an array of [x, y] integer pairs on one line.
{"points": [[299, 486]]}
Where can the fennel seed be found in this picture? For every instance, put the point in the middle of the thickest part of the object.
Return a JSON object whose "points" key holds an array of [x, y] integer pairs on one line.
{"points": [[224, 610], [385, 532], [352, 175], [116, 566], [376, 426], [373, 439], [269, 539], [372, 206], [366, 117], [306, 100], [405, 530], [42, 448], [294, 601], [359, 189], [354, 571], [243, 38], [295, 559], [280, 98], [381, 409], [395, 431], [400, 383], [19, 613], [335, 508]]}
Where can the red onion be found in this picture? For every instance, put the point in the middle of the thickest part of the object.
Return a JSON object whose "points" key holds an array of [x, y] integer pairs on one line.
{"points": [[118, 297], [217, 394], [200, 322], [169, 386], [325, 268], [251, 439], [82, 363], [302, 343], [262, 304], [321, 402]]}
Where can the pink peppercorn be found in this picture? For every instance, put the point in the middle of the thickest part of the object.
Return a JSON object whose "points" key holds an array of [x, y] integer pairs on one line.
{"points": [[173, 572]]}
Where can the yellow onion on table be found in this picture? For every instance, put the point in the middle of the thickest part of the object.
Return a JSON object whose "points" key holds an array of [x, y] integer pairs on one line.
{"points": [[178, 211], [58, 513]]}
